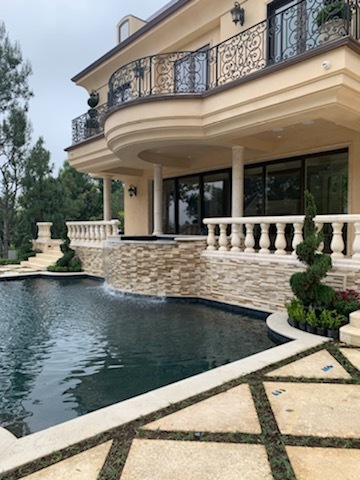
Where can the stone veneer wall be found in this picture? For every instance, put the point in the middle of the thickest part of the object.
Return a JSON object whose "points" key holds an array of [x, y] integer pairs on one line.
{"points": [[162, 269], [184, 268], [261, 282], [92, 259]]}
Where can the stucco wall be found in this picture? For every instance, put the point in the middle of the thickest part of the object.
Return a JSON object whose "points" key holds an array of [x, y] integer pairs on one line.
{"points": [[184, 268]]}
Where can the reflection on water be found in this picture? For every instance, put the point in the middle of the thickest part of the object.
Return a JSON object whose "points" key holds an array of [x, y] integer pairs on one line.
{"points": [[69, 347]]}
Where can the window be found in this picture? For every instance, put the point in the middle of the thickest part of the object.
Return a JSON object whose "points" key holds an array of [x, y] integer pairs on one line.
{"points": [[124, 31], [277, 188], [191, 72], [187, 200]]}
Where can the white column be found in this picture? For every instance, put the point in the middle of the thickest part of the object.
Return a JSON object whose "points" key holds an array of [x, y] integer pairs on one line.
{"points": [[158, 200], [107, 198], [237, 209]]}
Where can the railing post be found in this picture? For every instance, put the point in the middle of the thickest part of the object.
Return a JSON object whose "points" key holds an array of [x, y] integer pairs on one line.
{"points": [[211, 239], [356, 243], [298, 236], [249, 238], [223, 240], [264, 238], [280, 242], [337, 243], [319, 226], [235, 238]]}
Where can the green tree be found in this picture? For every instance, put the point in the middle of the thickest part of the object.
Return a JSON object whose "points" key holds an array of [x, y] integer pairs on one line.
{"points": [[14, 130]]}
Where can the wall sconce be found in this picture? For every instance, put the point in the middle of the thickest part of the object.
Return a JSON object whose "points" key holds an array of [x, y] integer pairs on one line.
{"points": [[132, 190], [237, 14]]}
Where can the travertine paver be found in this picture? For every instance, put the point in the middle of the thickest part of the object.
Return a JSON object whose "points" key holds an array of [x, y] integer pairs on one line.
{"points": [[353, 355], [324, 463], [322, 410], [318, 365], [231, 411], [177, 460], [84, 466]]}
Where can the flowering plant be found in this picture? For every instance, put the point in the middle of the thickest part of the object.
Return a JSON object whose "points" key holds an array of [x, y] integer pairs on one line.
{"points": [[346, 301]]}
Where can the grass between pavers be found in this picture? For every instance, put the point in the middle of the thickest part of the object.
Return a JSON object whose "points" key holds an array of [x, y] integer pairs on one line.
{"points": [[270, 437]]}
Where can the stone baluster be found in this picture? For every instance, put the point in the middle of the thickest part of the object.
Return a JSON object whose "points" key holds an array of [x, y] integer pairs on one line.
{"points": [[97, 233], [249, 238], [264, 238], [223, 239], [356, 243], [211, 239], [280, 242], [337, 242], [235, 238], [298, 236], [102, 232], [319, 227]]}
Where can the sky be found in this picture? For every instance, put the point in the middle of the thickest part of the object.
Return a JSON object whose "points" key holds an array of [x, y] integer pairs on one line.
{"points": [[60, 38]]}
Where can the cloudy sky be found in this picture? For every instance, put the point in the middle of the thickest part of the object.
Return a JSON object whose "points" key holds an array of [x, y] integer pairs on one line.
{"points": [[60, 38]]}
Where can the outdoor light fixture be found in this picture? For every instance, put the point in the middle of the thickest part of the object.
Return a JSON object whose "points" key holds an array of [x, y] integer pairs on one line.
{"points": [[132, 190], [237, 14]]}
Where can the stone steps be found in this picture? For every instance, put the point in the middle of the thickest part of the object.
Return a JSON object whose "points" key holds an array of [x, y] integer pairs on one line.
{"points": [[42, 260]]}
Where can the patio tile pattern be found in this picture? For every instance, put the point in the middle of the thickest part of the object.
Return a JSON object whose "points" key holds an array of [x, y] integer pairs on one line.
{"points": [[162, 460], [305, 408], [231, 411]]}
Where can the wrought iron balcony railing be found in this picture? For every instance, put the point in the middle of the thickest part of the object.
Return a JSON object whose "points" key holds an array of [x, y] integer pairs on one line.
{"points": [[285, 34]]}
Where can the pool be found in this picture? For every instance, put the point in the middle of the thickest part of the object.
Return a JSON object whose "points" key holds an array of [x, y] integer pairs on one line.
{"points": [[72, 346]]}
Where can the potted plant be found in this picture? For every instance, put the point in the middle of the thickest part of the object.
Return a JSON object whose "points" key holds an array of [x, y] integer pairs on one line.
{"points": [[323, 322], [334, 323], [296, 312], [333, 20], [311, 320]]}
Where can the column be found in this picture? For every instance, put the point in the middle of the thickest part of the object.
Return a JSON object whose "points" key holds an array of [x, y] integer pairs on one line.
{"points": [[158, 200], [107, 198], [237, 208]]}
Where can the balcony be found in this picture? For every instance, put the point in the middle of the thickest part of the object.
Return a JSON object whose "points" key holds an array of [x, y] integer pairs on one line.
{"points": [[287, 36]]}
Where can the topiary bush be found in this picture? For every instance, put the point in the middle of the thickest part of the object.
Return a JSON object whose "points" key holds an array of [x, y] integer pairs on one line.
{"points": [[307, 286], [69, 262]]}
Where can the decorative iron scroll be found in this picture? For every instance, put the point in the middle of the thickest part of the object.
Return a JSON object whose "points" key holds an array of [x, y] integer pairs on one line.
{"points": [[287, 33]]}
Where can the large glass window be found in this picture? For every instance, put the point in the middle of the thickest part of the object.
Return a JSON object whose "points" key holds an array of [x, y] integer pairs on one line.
{"points": [[189, 205], [254, 192], [277, 188], [282, 194], [327, 180], [188, 200], [216, 196]]}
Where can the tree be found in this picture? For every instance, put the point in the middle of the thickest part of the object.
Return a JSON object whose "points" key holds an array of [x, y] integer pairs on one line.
{"points": [[14, 130]]}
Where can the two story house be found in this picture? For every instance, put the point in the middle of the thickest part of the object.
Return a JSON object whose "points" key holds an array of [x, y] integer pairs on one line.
{"points": [[215, 109]]}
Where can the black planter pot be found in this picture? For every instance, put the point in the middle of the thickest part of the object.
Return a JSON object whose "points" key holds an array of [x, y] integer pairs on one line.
{"points": [[321, 331], [293, 323], [333, 334], [311, 329], [302, 326]]}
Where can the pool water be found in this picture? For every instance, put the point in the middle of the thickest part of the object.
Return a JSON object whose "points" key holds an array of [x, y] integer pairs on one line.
{"points": [[69, 347]]}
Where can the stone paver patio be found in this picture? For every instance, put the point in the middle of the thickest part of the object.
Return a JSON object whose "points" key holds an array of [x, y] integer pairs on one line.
{"points": [[307, 418]]}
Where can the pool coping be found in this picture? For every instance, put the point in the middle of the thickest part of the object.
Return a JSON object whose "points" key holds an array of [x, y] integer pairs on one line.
{"points": [[18, 452]]}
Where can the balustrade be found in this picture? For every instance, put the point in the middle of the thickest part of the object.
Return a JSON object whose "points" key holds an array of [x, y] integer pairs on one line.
{"points": [[92, 232], [281, 235], [277, 39]]}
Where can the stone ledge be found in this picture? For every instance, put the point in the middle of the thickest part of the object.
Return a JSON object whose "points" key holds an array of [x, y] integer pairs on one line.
{"points": [[351, 333]]}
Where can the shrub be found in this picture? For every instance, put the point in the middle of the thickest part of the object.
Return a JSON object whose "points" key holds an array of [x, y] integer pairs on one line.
{"points": [[333, 11], [8, 261], [346, 302], [296, 310], [311, 318], [68, 262], [307, 286]]}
